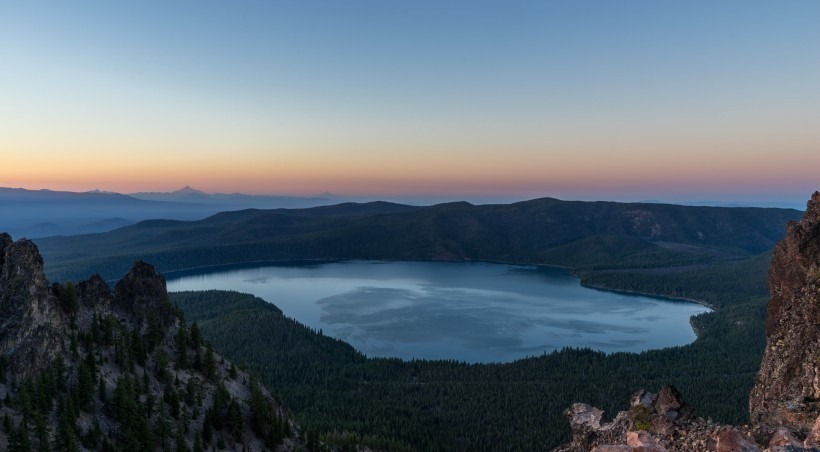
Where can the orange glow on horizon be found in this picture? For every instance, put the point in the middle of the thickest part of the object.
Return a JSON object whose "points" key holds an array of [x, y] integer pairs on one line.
{"points": [[439, 161]]}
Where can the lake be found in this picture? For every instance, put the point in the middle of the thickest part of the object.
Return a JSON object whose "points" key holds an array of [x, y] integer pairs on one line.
{"points": [[475, 312]]}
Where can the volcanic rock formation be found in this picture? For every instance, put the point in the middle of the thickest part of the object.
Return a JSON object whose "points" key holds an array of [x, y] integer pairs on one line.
{"points": [[787, 390], [82, 368]]}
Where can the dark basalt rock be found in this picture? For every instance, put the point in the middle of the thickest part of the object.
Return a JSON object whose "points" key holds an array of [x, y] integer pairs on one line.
{"points": [[5, 241], [787, 389], [142, 294], [31, 321], [95, 292]]}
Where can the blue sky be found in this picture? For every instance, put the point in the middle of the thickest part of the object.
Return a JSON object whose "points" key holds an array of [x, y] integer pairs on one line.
{"points": [[639, 99]]}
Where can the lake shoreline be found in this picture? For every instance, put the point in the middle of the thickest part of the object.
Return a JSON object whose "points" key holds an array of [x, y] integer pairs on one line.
{"points": [[571, 270], [545, 306]]}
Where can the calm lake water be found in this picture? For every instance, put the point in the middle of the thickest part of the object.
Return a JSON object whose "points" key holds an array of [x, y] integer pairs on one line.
{"points": [[476, 312]]}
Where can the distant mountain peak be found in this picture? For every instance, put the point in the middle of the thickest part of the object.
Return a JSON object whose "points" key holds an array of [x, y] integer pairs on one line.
{"points": [[188, 190]]}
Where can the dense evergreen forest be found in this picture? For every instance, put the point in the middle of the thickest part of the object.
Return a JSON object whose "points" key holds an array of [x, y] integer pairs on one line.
{"points": [[449, 405]]}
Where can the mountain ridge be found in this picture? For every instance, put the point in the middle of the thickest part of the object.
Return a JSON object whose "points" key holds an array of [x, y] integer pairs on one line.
{"points": [[547, 230], [85, 367]]}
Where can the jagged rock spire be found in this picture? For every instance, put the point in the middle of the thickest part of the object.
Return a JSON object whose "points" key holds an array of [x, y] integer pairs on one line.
{"points": [[142, 293], [31, 322]]}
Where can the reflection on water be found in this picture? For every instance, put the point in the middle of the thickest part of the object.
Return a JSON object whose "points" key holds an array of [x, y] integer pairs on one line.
{"points": [[477, 312]]}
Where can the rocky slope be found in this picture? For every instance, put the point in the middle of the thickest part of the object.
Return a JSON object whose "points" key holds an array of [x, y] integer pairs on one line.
{"points": [[785, 402], [787, 390], [85, 368]]}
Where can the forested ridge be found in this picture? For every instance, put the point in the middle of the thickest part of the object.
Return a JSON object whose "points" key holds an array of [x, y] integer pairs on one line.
{"points": [[587, 236]]}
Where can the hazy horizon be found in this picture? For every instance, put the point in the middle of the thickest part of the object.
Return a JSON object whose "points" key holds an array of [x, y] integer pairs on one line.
{"points": [[795, 201]]}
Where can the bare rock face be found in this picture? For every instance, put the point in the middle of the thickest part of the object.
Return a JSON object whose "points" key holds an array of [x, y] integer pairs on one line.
{"points": [[32, 323], [787, 390], [94, 292], [142, 294]]}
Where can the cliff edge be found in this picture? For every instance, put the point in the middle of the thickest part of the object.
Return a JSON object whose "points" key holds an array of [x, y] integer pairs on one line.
{"points": [[787, 389]]}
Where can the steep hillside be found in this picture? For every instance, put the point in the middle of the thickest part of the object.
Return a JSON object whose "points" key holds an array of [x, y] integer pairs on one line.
{"points": [[82, 367], [589, 236]]}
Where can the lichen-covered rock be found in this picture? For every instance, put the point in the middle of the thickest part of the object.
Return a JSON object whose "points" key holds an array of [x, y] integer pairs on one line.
{"points": [[643, 398], [787, 389], [654, 423]]}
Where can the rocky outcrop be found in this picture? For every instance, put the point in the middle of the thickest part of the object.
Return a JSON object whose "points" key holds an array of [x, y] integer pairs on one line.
{"points": [[787, 389], [95, 292], [135, 376], [660, 422], [31, 322], [785, 401], [654, 423], [142, 294]]}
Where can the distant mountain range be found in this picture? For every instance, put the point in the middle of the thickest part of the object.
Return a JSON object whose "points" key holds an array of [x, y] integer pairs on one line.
{"points": [[41, 213], [582, 235], [773, 204], [238, 200]]}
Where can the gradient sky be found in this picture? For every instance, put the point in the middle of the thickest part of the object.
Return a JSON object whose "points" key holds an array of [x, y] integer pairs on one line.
{"points": [[574, 99]]}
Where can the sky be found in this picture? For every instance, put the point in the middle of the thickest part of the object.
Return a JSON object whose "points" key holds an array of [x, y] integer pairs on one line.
{"points": [[623, 100]]}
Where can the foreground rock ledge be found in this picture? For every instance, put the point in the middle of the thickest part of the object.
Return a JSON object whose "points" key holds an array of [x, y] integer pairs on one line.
{"points": [[665, 422]]}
